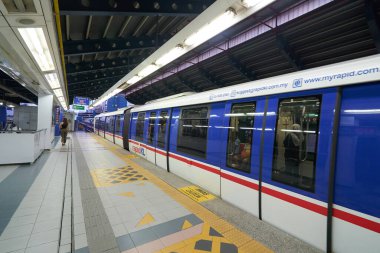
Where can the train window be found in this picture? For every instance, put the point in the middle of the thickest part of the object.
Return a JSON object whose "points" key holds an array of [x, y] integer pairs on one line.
{"points": [[163, 120], [110, 124], [152, 120], [117, 125], [140, 126], [240, 136], [296, 138], [192, 131]]}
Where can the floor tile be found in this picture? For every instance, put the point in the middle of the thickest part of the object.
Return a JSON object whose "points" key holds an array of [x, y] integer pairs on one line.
{"points": [[46, 225], [11, 232], [43, 237], [43, 248], [13, 244], [119, 230]]}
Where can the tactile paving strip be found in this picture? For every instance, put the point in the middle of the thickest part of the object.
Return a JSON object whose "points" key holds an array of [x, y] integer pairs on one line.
{"points": [[111, 177]]}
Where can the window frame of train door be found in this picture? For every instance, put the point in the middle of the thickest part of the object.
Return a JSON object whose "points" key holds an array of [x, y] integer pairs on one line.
{"points": [[242, 178], [167, 134], [297, 201], [114, 127], [126, 127]]}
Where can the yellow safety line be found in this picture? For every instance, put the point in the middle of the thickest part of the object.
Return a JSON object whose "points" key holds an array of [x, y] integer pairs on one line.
{"points": [[58, 23], [243, 241]]}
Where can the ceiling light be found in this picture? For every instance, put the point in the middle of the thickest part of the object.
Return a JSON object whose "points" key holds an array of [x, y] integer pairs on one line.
{"points": [[53, 80], [251, 3], [35, 40], [58, 92], [211, 29], [170, 56], [134, 79], [148, 70]]}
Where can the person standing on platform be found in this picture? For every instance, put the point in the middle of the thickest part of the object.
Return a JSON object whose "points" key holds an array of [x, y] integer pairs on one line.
{"points": [[64, 126]]}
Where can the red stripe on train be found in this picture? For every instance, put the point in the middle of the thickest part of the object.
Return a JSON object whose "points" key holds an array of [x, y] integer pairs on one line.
{"points": [[240, 181], [296, 201], [359, 221], [158, 151], [197, 164]]}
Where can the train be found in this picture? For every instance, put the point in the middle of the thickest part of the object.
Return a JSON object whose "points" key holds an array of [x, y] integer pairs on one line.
{"points": [[299, 151]]}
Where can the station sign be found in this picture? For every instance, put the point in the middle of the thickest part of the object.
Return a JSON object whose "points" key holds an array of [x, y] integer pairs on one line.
{"points": [[79, 107], [81, 101]]}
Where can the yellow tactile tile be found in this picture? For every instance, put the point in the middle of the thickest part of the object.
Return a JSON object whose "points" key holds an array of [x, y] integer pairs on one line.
{"points": [[254, 246], [237, 238], [113, 176], [230, 234]]}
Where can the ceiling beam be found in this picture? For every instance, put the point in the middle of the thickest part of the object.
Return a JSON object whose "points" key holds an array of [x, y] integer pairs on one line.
{"points": [[4, 87], [83, 77], [236, 64], [186, 83], [82, 47], [212, 80], [133, 8], [72, 69], [100, 79], [288, 52]]}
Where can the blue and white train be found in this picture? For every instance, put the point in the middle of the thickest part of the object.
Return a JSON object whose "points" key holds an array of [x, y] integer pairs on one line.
{"points": [[300, 151]]}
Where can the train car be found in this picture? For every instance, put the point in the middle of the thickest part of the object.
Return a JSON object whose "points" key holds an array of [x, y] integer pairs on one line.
{"points": [[114, 125], [299, 150]]}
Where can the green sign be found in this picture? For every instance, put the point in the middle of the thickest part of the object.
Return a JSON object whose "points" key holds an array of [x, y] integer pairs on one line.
{"points": [[78, 107]]}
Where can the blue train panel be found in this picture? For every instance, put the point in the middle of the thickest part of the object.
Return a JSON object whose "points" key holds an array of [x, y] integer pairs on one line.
{"points": [[358, 163]]}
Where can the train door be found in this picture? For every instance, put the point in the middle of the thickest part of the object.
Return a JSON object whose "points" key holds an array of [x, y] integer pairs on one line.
{"points": [[119, 129], [162, 138], [240, 161], [102, 127], [356, 209], [109, 128], [151, 137], [113, 127], [296, 156], [126, 128], [96, 129]]}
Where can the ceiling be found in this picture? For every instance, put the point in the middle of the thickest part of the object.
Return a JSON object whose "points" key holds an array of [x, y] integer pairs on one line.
{"points": [[338, 31], [104, 40], [12, 91]]}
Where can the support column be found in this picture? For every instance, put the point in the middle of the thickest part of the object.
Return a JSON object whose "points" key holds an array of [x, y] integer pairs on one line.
{"points": [[45, 117]]}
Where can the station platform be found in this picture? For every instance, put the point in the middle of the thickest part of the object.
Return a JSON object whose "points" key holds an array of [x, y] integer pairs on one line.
{"points": [[93, 196]]}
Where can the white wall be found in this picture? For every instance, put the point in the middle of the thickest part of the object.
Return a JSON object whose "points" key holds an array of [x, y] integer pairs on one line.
{"points": [[45, 117]]}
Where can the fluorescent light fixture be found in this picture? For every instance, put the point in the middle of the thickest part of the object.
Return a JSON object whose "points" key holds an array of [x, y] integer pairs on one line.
{"points": [[134, 79], [11, 106], [35, 40], [61, 99], [250, 3], [170, 56], [148, 70], [362, 111], [53, 80], [211, 29], [58, 93]]}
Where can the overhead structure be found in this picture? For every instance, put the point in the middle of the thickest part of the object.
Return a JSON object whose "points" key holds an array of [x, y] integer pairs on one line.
{"points": [[29, 51], [283, 38], [104, 40]]}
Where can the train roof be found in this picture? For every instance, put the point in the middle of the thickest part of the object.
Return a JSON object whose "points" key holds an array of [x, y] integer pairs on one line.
{"points": [[118, 112], [366, 69]]}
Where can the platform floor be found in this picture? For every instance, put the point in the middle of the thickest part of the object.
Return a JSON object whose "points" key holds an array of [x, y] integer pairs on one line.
{"points": [[93, 196]]}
